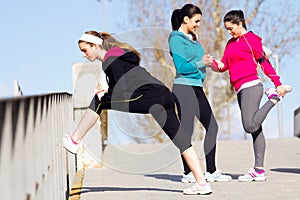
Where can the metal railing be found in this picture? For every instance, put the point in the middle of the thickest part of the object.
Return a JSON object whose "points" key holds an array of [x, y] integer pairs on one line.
{"points": [[33, 163]]}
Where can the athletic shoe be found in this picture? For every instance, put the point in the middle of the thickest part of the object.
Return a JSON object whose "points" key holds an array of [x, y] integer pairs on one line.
{"points": [[217, 176], [288, 88], [252, 175], [198, 189], [272, 94], [70, 145], [189, 178]]}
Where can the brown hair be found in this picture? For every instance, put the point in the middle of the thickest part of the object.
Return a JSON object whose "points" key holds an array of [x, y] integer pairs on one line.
{"points": [[188, 10], [109, 42], [235, 17]]}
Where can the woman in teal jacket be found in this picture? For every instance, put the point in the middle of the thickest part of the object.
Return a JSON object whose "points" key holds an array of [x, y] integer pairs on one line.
{"points": [[190, 99]]}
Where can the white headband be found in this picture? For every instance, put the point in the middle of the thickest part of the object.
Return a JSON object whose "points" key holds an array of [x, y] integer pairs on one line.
{"points": [[91, 39]]}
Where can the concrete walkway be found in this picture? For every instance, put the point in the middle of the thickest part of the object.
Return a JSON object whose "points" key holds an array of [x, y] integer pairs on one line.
{"points": [[153, 171]]}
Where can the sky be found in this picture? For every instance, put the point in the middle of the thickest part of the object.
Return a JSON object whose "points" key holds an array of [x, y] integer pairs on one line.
{"points": [[39, 45], [39, 41]]}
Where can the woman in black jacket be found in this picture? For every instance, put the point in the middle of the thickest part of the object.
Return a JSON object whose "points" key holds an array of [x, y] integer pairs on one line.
{"points": [[132, 89]]}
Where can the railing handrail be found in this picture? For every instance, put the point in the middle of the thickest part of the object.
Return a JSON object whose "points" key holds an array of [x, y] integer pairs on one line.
{"points": [[32, 96], [33, 163]]}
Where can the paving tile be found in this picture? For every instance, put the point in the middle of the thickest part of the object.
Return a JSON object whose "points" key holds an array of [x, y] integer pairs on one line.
{"points": [[154, 179]]}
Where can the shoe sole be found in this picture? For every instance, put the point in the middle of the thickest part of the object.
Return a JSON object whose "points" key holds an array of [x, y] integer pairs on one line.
{"points": [[256, 180], [218, 180], [185, 181], [198, 193], [260, 179], [70, 150]]}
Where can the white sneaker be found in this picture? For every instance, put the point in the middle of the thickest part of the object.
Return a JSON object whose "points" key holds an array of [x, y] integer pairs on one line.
{"points": [[217, 176], [252, 175], [198, 189], [70, 145], [288, 88], [271, 93], [189, 178]]}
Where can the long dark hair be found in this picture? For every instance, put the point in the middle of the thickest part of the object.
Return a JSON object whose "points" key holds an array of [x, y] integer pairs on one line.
{"points": [[188, 10], [235, 17]]}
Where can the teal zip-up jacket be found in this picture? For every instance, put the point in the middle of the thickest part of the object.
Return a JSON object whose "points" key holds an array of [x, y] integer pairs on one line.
{"points": [[187, 56]]}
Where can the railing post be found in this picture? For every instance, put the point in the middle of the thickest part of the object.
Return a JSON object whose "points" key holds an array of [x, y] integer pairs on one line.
{"points": [[297, 122]]}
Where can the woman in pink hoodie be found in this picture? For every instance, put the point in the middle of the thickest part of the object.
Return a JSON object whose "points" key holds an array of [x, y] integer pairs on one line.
{"points": [[242, 54]]}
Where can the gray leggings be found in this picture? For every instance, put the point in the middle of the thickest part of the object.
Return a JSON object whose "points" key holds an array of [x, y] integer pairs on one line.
{"points": [[253, 117]]}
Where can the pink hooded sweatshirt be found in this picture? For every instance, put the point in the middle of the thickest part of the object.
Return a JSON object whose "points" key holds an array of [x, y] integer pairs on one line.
{"points": [[239, 58]]}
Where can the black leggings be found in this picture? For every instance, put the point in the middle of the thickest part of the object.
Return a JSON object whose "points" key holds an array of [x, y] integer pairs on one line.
{"points": [[162, 108], [191, 101]]}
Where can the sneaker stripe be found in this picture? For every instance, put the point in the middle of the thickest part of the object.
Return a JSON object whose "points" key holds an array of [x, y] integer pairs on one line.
{"points": [[74, 142], [261, 171]]}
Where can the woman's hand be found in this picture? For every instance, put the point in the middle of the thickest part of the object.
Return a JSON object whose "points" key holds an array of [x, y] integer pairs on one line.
{"points": [[100, 93], [281, 90], [207, 60]]}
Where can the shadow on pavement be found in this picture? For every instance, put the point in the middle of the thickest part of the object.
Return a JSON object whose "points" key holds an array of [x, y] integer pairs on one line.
{"points": [[177, 178], [234, 176], [287, 170], [119, 189], [170, 177]]}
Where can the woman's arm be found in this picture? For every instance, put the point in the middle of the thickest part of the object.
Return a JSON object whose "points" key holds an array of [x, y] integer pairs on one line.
{"points": [[263, 60], [266, 66], [216, 65], [182, 65]]}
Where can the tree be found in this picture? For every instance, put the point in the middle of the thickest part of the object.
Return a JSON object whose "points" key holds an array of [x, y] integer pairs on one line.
{"points": [[275, 23]]}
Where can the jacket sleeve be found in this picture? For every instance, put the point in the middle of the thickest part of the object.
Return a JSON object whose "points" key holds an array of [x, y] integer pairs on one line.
{"points": [[215, 67], [182, 65], [264, 61]]}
